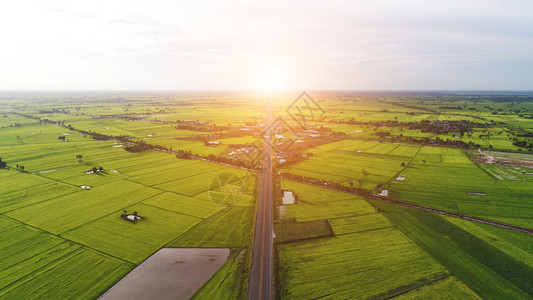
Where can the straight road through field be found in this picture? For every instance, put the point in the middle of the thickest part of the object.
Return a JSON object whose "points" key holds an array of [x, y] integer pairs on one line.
{"points": [[260, 284]]}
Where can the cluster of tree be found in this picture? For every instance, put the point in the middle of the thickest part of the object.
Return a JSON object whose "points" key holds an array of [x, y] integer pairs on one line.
{"points": [[62, 138], [2, 164], [54, 111], [238, 146], [21, 167], [293, 157], [450, 107], [228, 160], [138, 146], [436, 141], [388, 123], [523, 144], [79, 157], [445, 127], [184, 154], [525, 134], [196, 126], [95, 170], [382, 133]]}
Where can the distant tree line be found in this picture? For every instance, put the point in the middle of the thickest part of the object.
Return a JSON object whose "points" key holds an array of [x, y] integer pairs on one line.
{"points": [[327, 183]]}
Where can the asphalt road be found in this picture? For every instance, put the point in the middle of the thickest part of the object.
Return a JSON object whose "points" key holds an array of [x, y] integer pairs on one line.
{"points": [[260, 284]]}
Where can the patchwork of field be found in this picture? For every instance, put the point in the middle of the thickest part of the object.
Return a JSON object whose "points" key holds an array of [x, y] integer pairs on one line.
{"points": [[63, 238], [38, 265], [60, 240], [515, 244], [469, 189], [344, 162], [478, 255], [367, 258]]}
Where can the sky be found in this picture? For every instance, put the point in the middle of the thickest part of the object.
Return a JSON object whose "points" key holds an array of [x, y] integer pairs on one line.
{"points": [[255, 45]]}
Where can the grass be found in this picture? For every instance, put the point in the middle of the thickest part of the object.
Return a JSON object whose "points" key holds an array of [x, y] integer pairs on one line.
{"points": [[61, 242], [133, 241], [366, 246], [183, 204], [359, 223], [235, 220], [65, 242], [41, 266], [316, 203], [448, 169], [521, 250], [448, 288], [66, 212], [228, 281], [346, 164], [347, 266], [288, 230], [486, 270]]}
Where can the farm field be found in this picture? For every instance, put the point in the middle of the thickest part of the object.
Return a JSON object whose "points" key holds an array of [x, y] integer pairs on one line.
{"points": [[484, 268], [55, 230], [59, 218], [345, 164], [42, 265], [469, 190], [366, 246]]}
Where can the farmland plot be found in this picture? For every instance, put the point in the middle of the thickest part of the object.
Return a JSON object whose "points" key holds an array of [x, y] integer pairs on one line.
{"points": [[368, 257], [44, 266]]}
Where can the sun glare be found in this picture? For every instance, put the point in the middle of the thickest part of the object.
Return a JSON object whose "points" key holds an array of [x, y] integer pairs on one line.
{"points": [[272, 79]]}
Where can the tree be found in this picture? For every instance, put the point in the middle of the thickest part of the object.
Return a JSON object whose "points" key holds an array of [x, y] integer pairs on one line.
{"points": [[79, 157], [61, 138], [2, 164], [101, 169], [95, 169], [402, 164]]}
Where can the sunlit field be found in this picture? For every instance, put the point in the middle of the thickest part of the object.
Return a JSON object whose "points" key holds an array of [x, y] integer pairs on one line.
{"points": [[76, 165]]}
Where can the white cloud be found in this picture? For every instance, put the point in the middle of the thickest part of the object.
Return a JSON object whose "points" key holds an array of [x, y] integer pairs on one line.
{"points": [[223, 44]]}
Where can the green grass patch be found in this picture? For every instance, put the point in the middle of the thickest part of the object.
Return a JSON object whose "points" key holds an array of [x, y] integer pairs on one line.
{"points": [[289, 230], [133, 241], [235, 221], [486, 270]]}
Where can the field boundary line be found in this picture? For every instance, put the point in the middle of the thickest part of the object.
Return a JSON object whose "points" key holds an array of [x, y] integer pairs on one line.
{"points": [[429, 209], [113, 212], [176, 212], [366, 230], [197, 224], [403, 169], [72, 241], [11, 210]]}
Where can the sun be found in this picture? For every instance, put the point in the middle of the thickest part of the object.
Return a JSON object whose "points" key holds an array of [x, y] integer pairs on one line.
{"points": [[272, 79]]}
